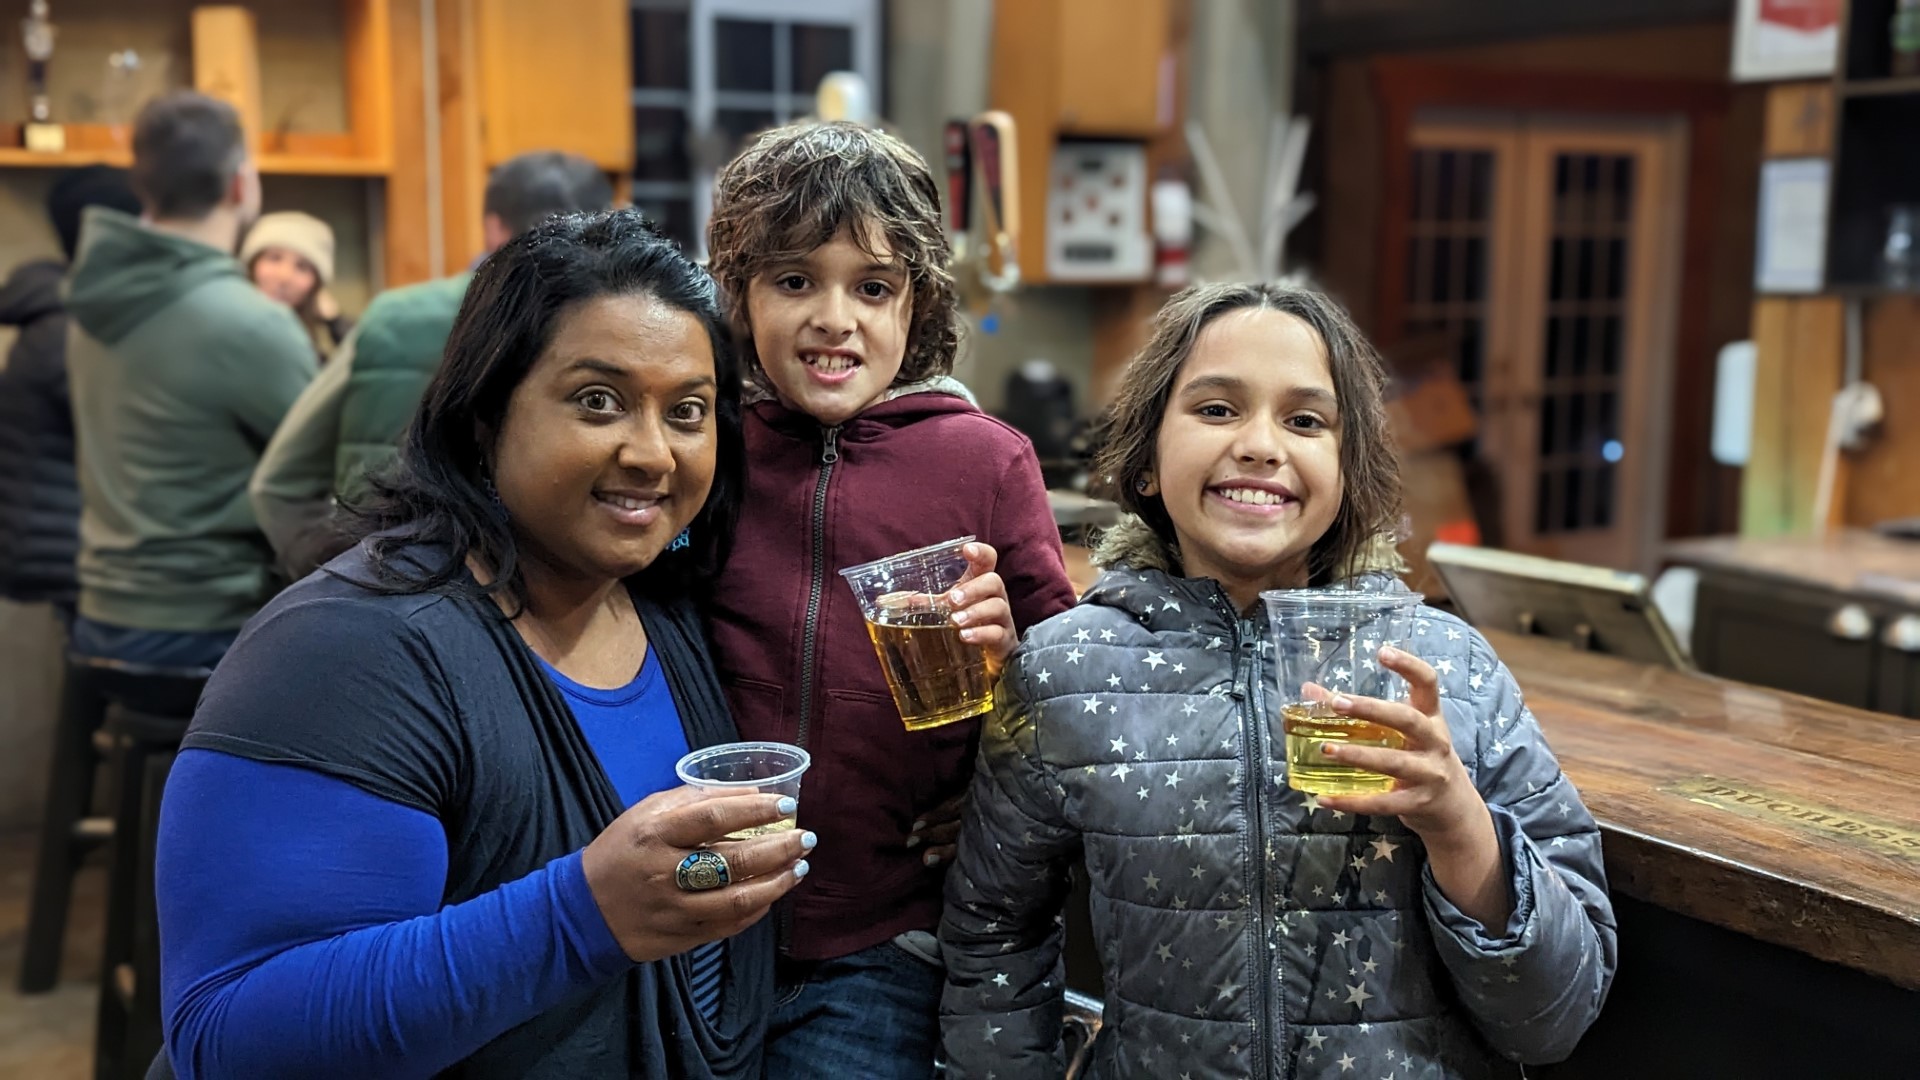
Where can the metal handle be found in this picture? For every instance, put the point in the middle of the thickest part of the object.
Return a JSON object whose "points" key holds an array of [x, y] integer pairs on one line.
{"points": [[1902, 634], [1851, 622]]}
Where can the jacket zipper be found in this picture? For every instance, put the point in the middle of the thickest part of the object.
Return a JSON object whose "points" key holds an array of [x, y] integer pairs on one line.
{"points": [[810, 634], [1254, 755], [1257, 699], [810, 637]]}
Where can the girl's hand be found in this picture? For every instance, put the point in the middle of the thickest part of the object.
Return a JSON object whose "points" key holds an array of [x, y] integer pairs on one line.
{"points": [[980, 606], [939, 830], [1432, 794], [630, 869]]}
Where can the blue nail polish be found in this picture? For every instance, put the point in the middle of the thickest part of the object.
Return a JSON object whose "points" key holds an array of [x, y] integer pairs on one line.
{"points": [[786, 805], [800, 868], [809, 841]]}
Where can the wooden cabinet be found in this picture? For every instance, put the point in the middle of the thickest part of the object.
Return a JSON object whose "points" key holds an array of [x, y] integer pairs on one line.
{"points": [[228, 51], [556, 76], [1807, 641], [1836, 618], [1076, 69], [1109, 58]]}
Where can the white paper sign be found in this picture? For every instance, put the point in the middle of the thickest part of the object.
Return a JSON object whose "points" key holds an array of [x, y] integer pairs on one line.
{"points": [[1790, 253]]}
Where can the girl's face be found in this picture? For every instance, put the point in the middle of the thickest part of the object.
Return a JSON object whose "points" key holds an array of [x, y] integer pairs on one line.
{"points": [[1247, 461], [609, 445], [284, 276], [830, 328]]}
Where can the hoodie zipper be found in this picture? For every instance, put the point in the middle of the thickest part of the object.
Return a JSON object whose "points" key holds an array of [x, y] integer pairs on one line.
{"points": [[810, 635], [1266, 958]]}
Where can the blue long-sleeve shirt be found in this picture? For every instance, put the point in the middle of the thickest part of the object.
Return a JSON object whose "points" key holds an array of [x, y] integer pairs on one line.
{"points": [[304, 932]]}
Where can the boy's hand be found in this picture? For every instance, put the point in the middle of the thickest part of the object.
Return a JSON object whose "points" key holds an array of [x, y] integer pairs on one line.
{"points": [[939, 830], [980, 606]]}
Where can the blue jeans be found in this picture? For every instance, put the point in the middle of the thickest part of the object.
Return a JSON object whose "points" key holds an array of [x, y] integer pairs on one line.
{"points": [[160, 648], [873, 1015]]}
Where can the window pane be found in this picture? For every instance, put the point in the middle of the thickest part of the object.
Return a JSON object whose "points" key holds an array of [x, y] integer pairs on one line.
{"points": [[818, 50], [660, 49], [672, 216], [735, 126], [743, 55], [660, 144]]}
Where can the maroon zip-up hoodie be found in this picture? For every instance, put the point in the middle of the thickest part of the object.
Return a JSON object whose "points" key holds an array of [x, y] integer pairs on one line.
{"points": [[793, 650]]}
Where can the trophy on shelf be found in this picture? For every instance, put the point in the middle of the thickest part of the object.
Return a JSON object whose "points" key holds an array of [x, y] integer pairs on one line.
{"points": [[42, 134]]}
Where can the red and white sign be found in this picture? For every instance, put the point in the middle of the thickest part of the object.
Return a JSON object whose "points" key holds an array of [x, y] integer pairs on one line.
{"points": [[1800, 16], [1785, 39]]}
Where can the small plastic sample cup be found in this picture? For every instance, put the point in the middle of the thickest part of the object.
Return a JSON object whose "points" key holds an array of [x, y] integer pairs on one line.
{"points": [[748, 768]]}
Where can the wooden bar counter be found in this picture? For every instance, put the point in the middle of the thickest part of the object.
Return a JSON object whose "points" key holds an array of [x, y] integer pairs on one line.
{"points": [[1763, 851], [1790, 820]]}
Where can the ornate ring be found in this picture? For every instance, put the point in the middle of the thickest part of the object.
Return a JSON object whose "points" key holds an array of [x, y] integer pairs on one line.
{"points": [[702, 870]]}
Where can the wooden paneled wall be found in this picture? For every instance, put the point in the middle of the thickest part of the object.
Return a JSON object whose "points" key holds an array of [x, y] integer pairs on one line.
{"points": [[1796, 374], [1801, 344], [1884, 479]]}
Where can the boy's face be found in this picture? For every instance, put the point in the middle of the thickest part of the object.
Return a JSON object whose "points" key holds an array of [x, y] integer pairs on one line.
{"points": [[1248, 458], [831, 326]]}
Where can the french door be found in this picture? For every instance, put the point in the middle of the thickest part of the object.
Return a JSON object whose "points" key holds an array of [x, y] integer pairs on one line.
{"points": [[1547, 248]]}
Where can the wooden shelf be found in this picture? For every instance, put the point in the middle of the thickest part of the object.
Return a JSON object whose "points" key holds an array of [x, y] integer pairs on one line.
{"points": [[314, 165], [13, 157], [301, 154], [1859, 88]]}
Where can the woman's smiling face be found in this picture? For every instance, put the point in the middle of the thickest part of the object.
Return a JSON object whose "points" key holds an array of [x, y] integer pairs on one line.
{"points": [[608, 447]]}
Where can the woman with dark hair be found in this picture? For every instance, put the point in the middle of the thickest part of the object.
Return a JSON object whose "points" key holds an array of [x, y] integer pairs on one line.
{"points": [[425, 821]]}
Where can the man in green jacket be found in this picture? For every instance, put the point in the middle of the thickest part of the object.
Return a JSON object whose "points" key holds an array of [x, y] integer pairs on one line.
{"points": [[347, 426], [180, 372]]}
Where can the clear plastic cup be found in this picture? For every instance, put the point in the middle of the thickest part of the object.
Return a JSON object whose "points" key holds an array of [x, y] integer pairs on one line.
{"points": [[1331, 639], [935, 677], [748, 768]]}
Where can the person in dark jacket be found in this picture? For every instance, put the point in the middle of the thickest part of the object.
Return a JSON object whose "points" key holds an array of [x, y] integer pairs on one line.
{"points": [[425, 822], [828, 243], [39, 495]]}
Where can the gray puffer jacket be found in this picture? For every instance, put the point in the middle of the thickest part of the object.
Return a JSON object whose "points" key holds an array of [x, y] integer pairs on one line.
{"points": [[1243, 931]]}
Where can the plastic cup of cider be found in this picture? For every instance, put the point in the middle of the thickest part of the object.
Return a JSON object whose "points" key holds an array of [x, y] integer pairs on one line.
{"points": [[935, 677], [1327, 642], [747, 768]]}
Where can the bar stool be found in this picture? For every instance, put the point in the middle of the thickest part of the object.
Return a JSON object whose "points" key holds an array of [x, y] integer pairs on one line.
{"points": [[67, 832], [147, 714]]}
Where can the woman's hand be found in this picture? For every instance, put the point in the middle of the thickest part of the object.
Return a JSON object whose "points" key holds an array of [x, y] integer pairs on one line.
{"points": [[980, 606], [939, 830], [1432, 793], [630, 869]]}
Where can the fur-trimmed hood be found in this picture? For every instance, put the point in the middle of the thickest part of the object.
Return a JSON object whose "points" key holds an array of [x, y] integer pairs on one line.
{"points": [[1133, 543]]}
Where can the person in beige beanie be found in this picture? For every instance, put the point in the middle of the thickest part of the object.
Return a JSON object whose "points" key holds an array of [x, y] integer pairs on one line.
{"points": [[289, 256]]}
